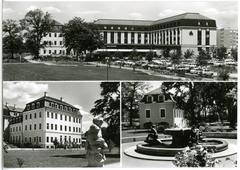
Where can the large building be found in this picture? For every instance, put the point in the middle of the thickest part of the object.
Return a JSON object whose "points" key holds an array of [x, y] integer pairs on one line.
{"points": [[227, 37], [155, 107], [186, 31], [54, 42], [45, 120]]}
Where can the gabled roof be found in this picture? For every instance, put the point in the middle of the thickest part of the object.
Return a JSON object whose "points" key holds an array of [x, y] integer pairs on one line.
{"points": [[188, 15]]}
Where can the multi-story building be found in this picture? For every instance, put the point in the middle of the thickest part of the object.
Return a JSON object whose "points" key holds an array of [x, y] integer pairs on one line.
{"points": [[227, 37], [185, 31], [155, 107], [54, 42], [45, 120]]}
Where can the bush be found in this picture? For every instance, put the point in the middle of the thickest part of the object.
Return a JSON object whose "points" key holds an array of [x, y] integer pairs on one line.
{"points": [[147, 125], [194, 157]]}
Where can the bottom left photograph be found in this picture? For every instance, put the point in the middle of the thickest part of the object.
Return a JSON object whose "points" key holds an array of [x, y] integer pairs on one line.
{"points": [[61, 124]]}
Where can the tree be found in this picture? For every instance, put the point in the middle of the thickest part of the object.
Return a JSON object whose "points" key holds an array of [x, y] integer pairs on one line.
{"points": [[175, 56], [81, 36], [166, 53], [12, 40], [150, 55], [188, 54], [132, 92], [221, 53], [234, 52], [108, 107], [203, 57], [223, 75], [37, 24]]}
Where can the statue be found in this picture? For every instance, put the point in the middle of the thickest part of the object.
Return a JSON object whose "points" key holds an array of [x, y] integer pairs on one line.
{"points": [[95, 144], [152, 137]]}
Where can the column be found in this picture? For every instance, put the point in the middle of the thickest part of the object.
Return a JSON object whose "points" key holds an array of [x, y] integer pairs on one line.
{"points": [[142, 38], [115, 38], [135, 38], [122, 37], [129, 38], [108, 38]]}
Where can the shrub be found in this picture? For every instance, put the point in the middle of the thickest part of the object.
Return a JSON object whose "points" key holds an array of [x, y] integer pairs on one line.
{"points": [[147, 125], [194, 157]]}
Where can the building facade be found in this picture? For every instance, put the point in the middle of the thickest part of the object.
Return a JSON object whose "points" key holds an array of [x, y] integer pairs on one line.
{"points": [[227, 37], [46, 120], [186, 31], [156, 108], [54, 42]]}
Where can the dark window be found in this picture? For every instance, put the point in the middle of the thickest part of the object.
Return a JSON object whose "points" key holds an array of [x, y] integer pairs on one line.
{"points": [[132, 37], [149, 99], [47, 125], [162, 113], [139, 38], [25, 117], [60, 117], [47, 114], [112, 37], [207, 37], [61, 127], [51, 126], [40, 114], [56, 116], [105, 37], [119, 37], [125, 37], [55, 127], [35, 126], [160, 98], [148, 113], [199, 37], [52, 115], [40, 126], [30, 116], [35, 115]]}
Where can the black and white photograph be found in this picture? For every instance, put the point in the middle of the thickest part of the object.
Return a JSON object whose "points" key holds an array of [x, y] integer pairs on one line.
{"points": [[61, 124], [179, 124], [120, 40]]}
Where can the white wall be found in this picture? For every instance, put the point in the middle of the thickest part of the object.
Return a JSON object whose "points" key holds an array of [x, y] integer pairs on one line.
{"points": [[186, 39]]}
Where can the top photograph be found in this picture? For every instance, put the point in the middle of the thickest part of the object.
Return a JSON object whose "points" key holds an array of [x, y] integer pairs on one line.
{"points": [[120, 40]]}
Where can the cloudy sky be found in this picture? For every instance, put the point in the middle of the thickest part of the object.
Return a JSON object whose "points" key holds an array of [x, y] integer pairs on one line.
{"points": [[79, 94], [225, 12]]}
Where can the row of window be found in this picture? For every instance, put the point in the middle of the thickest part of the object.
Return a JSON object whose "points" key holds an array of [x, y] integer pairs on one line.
{"points": [[53, 43], [33, 116], [54, 35], [60, 116], [17, 139], [15, 129], [199, 37], [165, 37], [66, 128], [34, 127], [56, 52], [66, 139], [61, 107], [160, 98], [161, 110]]}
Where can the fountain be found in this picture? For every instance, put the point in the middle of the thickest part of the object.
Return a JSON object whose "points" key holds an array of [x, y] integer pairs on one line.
{"points": [[167, 148]]}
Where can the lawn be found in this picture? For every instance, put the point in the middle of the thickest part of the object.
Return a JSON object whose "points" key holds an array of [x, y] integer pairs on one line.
{"points": [[36, 72], [53, 158]]}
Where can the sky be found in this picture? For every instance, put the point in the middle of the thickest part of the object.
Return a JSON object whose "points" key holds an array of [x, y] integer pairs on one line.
{"points": [[225, 12], [79, 94]]}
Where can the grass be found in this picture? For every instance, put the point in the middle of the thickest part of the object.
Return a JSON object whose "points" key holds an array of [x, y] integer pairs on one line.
{"points": [[36, 72], [52, 158]]}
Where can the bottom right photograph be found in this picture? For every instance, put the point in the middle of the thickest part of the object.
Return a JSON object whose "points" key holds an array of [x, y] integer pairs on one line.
{"points": [[179, 124]]}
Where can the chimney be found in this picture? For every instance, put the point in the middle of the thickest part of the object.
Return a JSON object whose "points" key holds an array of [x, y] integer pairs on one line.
{"points": [[45, 94], [61, 98]]}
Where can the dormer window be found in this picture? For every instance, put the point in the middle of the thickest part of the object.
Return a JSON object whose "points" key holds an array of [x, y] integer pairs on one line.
{"points": [[199, 23], [160, 98], [149, 99], [38, 104], [28, 107], [33, 105]]}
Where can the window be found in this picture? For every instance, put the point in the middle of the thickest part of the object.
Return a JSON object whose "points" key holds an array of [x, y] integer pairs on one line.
{"points": [[69, 118], [112, 37], [65, 117], [19, 128], [65, 128], [28, 107], [51, 126], [55, 52], [55, 34], [56, 116], [26, 127], [30, 139], [69, 128], [38, 104], [162, 113], [30, 127], [149, 99], [79, 129], [55, 127], [40, 114], [160, 98], [39, 139], [73, 129], [60, 42], [52, 115], [60, 117], [49, 34], [30, 116], [50, 52], [51, 139], [40, 126], [148, 113], [47, 125], [26, 117], [35, 126], [60, 127], [76, 120], [47, 114], [44, 51], [25, 139], [35, 115], [76, 129]]}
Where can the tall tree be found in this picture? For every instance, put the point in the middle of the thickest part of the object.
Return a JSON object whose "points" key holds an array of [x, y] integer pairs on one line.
{"points": [[12, 40], [149, 56], [132, 92], [175, 56], [203, 58], [221, 53], [37, 25], [108, 107], [234, 52], [81, 36]]}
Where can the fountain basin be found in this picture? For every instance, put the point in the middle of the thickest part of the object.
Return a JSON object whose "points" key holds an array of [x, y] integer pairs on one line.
{"points": [[165, 149]]}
